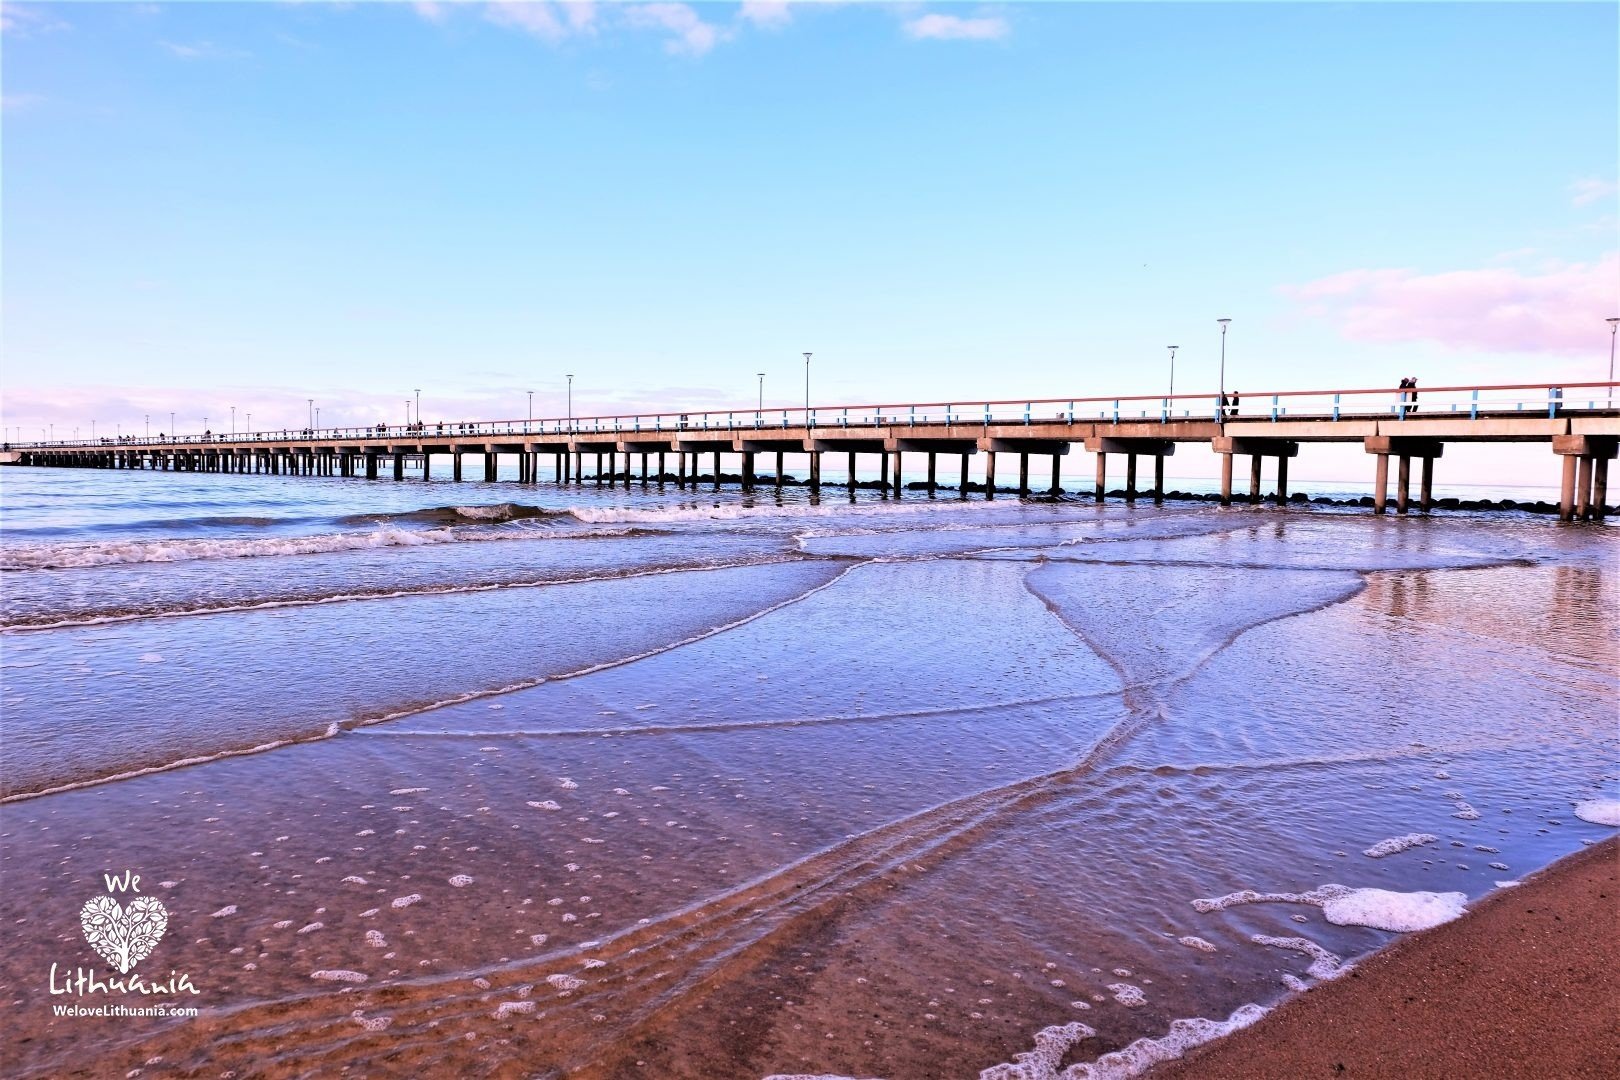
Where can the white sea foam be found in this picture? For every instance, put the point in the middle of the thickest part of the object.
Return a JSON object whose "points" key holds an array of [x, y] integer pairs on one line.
{"points": [[1380, 909], [1397, 844], [565, 982], [1324, 965], [1053, 1043], [406, 901], [510, 1008], [461, 881], [1127, 995], [1197, 943], [1599, 811], [338, 975]]}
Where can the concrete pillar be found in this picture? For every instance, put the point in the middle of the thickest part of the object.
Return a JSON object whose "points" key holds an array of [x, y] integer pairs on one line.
{"points": [[1130, 478], [455, 466], [1600, 488], [851, 472], [1566, 490], [1282, 480], [427, 464], [1255, 461], [883, 472], [748, 470], [1426, 485], [1023, 475], [989, 475], [1381, 483], [1101, 489], [1403, 483], [1057, 474], [779, 468], [898, 483], [1226, 479], [680, 477], [961, 488], [644, 468], [1583, 487], [717, 470], [932, 483], [815, 471], [1158, 479], [399, 466]]}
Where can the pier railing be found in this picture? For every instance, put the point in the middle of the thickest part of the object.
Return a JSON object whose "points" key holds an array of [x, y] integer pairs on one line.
{"points": [[1328, 406]]}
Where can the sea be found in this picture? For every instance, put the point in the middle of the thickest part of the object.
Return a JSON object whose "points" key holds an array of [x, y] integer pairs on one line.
{"points": [[376, 778]]}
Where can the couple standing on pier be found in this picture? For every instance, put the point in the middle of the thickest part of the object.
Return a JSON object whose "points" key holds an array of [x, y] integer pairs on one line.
{"points": [[1408, 390]]}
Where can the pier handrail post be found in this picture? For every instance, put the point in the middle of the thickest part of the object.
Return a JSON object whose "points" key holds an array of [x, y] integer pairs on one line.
{"points": [[1473, 406], [1335, 406], [1116, 410], [1026, 414], [1274, 408]]}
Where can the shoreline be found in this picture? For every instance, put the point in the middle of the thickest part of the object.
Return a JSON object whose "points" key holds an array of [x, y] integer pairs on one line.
{"points": [[1526, 984]]}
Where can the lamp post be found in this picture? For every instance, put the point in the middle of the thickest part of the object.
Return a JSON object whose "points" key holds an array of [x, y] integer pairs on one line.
{"points": [[1173, 349], [761, 393], [148, 425], [171, 425], [233, 421], [311, 413], [570, 401], [1614, 325], [807, 389], [407, 413], [1223, 323], [531, 405], [317, 418], [92, 431], [418, 406]]}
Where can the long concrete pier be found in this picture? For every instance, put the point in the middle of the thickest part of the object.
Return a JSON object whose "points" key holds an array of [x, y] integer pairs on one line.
{"points": [[1578, 421]]}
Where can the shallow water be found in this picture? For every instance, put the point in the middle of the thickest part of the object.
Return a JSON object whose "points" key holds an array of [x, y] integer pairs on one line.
{"points": [[880, 789]]}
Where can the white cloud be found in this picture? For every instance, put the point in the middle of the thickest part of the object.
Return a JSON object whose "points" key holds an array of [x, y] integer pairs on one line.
{"points": [[938, 27], [689, 34], [767, 14], [537, 19], [1590, 189]]}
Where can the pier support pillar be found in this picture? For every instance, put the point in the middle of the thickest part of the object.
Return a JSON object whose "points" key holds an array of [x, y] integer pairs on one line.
{"points": [[1226, 479], [660, 468], [399, 466], [1158, 479], [680, 463], [1057, 477], [961, 487], [1101, 490], [1254, 479], [455, 466], [989, 475], [1426, 486], [932, 476], [851, 473], [1600, 488], [1403, 483], [427, 464], [883, 472], [779, 470], [1566, 489], [717, 470], [1282, 481], [748, 470], [1023, 475], [815, 472], [1381, 484], [644, 468], [898, 483], [1583, 488], [1130, 478]]}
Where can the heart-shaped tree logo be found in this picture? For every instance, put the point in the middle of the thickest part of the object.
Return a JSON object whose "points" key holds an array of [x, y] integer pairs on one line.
{"points": [[124, 935]]}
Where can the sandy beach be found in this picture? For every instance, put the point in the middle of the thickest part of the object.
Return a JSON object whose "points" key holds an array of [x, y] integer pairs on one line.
{"points": [[1524, 985]]}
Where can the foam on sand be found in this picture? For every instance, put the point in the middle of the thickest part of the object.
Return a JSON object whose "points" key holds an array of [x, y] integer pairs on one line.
{"points": [[338, 975], [1599, 811], [1324, 965], [1053, 1043], [1380, 909], [1397, 844]]}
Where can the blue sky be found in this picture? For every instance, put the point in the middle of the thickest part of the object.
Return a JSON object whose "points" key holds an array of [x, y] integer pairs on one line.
{"points": [[253, 204]]}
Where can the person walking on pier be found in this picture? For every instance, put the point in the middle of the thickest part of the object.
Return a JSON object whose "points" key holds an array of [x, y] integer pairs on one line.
{"points": [[1236, 397]]}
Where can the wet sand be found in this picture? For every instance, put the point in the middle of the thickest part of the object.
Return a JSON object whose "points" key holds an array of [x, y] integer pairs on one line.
{"points": [[1526, 985]]}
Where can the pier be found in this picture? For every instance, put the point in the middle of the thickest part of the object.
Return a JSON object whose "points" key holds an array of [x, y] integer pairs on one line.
{"points": [[1577, 421]]}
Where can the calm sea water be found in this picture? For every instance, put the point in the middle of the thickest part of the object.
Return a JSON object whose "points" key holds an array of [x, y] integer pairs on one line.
{"points": [[526, 780]]}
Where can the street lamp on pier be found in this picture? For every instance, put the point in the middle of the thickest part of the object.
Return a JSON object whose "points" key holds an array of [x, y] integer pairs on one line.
{"points": [[1223, 323], [807, 389], [1173, 349], [311, 412], [418, 406], [1614, 325], [531, 406], [570, 401], [762, 393]]}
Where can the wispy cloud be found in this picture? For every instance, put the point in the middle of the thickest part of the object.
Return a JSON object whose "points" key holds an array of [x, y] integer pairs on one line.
{"points": [[25, 20], [1591, 189], [201, 50], [1557, 309], [937, 27], [15, 102]]}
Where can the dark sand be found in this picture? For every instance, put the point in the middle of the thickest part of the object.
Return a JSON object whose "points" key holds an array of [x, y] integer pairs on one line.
{"points": [[1526, 985]]}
